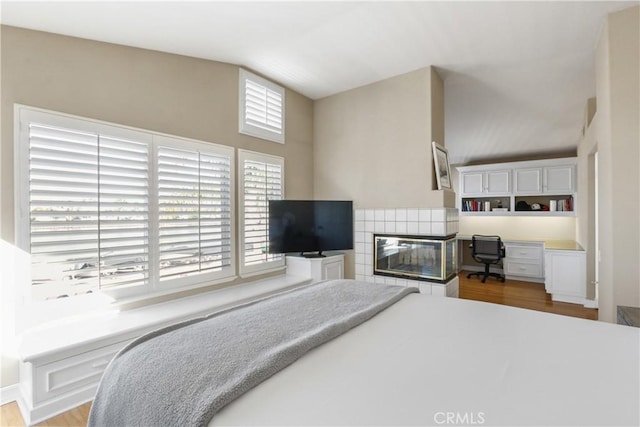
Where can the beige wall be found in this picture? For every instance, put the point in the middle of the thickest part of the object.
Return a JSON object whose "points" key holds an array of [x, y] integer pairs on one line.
{"points": [[520, 227], [586, 206], [145, 89], [617, 136], [372, 144]]}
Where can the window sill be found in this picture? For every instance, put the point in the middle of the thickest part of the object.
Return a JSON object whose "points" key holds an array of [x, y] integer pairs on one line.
{"points": [[48, 343]]}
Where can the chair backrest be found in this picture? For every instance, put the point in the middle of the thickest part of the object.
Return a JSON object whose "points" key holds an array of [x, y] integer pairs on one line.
{"points": [[486, 245]]}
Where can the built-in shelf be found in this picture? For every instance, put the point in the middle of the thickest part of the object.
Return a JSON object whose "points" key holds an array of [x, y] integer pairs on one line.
{"points": [[502, 189]]}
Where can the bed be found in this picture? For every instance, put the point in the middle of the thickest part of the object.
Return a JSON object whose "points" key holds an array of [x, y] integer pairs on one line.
{"points": [[426, 360]]}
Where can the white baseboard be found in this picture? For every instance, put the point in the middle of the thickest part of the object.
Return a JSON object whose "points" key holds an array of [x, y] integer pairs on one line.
{"points": [[590, 303], [9, 394]]}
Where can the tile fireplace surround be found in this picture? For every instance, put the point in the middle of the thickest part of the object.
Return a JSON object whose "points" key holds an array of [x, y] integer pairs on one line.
{"points": [[401, 221]]}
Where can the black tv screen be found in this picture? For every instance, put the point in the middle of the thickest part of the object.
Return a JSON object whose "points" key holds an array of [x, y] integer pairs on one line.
{"points": [[310, 226]]}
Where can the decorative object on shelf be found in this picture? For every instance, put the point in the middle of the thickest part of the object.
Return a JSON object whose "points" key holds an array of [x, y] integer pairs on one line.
{"points": [[441, 162]]}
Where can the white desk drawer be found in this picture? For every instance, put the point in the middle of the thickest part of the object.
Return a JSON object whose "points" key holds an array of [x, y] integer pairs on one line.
{"points": [[523, 269], [73, 373], [533, 253]]}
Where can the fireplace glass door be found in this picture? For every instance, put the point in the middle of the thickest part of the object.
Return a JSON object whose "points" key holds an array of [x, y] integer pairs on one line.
{"points": [[422, 258]]}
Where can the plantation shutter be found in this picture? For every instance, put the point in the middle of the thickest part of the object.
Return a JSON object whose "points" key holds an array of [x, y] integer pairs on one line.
{"points": [[261, 107], [124, 212], [77, 214], [262, 181], [194, 202]]}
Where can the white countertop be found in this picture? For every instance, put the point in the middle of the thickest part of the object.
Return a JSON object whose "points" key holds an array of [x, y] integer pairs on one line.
{"points": [[549, 244]]}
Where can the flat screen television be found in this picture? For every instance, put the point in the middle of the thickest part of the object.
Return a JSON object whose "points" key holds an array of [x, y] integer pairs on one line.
{"points": [[310, 227]]}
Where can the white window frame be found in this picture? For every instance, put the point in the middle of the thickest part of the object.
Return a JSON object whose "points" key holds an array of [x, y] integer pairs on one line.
{"points": [[247, 128], [269, 266], [154, 287]]}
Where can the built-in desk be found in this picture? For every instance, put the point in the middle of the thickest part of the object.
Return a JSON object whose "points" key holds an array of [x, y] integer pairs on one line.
{"points": [[559, 264]]}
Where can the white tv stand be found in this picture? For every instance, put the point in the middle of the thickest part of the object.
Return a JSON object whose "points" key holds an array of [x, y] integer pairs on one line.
{"points": [[328, 267]]}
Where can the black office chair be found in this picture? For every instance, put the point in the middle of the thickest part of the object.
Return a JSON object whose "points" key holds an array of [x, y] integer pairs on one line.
{"points": [[487, 250]]}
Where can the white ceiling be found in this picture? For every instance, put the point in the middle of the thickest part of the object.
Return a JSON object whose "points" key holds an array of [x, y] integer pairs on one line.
{"points": [[517, 74]]}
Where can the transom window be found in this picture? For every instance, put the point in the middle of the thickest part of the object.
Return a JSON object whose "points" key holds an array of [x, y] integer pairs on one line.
{"points": [[261, 107]]}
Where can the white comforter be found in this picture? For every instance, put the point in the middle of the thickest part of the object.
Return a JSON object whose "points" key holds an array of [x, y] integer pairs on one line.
{"points": [[443, 361]]}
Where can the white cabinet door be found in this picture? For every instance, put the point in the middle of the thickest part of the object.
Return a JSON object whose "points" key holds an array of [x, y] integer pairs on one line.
{"points": [[472, 182], [528, 181], [333, 270], [498, 182], [559, 179], [566, 276], [490, 182]]}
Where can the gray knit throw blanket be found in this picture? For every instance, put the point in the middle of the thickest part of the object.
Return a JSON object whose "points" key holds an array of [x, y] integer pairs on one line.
{"points": [[183, 374]]}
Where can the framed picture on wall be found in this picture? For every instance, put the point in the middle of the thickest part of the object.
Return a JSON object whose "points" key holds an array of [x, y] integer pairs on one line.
{"points": [[441, 162]]}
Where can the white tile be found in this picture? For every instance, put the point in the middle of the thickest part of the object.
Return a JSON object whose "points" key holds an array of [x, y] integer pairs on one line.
{"points": [[369, 215], [390, 215], [360, 277], [368, 278], [413, 283], [379, 227], [360, 269], [401, 227], [369, 226], [359, 236], [359, 226], [359, 247], [368, 239], [390, 280], [379, 279], [379, 214], [390, 227], [368, 270], [360, 258], [413, 227], [438, 228], [425, 228], [438, 290], [438, 214], [368, 249], [401, 214], [413, 215], [359, 215], [425, 288], [425, 215], [401, 282]]}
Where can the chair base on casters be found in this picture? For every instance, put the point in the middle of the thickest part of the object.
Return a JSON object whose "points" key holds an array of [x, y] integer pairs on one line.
{"points": [[486, 274]]}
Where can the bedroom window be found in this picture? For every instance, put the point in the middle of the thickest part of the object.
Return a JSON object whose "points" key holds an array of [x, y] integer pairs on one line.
{"points": [[115, 209], [194, 206], [261, 180], [261, 107]]}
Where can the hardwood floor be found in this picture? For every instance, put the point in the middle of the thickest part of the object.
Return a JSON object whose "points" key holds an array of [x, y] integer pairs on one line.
{"points": [[515, 293], [77, 417], [512, 292]]}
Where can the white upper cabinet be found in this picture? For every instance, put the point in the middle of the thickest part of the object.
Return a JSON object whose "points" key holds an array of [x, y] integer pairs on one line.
{"points": [[559, 179], [528, 181], [545, 180], [488, 182], [498, 188]]}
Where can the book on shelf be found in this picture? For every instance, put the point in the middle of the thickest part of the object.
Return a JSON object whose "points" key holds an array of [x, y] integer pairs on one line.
{"points": [[476, 206]]}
